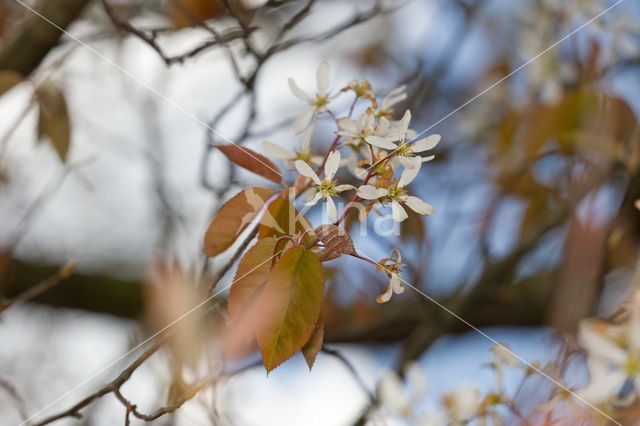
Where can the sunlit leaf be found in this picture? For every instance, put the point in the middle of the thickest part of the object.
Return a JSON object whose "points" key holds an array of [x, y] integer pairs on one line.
{"points": [[253, 271], [294, 294], [8, 79], [335, 238], [233, 217], [282, 218], [54, 122], [314, 345], [252, 161]]}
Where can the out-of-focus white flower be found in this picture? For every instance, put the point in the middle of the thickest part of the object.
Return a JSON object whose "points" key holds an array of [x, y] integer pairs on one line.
{"points": [[325, 188], [317, 102], [613, 357], [505, 356], [398, 195], [463, 404], [365, 129], [289, 156], [613, 360], [397, 396], [392, 394]]}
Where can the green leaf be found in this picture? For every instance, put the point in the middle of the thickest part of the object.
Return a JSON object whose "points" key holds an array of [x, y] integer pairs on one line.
{"points": [[314, 345], [233, 217], [8, 79], [54, 122], [282, 218], [252, 161], [253, 271], [293, 297]]}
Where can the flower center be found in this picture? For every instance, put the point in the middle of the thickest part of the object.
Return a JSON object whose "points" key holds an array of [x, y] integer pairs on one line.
{"points": [[328, 188], [404, 150], [320, 101], [304, 156], [632, 365], [395, 192]]}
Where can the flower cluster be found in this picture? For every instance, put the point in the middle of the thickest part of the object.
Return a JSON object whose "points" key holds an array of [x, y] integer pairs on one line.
{"points": [[373, 146], [464, 405], [379, 153], [613, 358]]}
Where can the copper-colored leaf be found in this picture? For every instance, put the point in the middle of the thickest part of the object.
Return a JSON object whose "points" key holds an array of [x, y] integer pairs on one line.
{"points": [[253, 271], [53, 118], [314, 345], [189, 13], [8, 79], [294, 293], [233, 217], [325, 254], [252, 161], [282, 218], [335, 238]]}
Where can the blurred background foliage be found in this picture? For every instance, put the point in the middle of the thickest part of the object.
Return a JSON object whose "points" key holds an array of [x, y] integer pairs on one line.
{"points": [[534, 182]]}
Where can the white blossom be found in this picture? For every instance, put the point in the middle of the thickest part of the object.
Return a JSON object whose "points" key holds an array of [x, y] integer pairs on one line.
{"points": [[326, 188], [289, 156], [317, 102], [365, 129], [464, 403], [397, 194]]}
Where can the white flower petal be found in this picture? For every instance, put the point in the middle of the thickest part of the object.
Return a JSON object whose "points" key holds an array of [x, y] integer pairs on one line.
{"points": [[303, 120], [396, 284], [406, 162], [273, 150], [404, 124], [592, 339], [314, 200], [419, 206], [345, 187], [410, 173], [305, 170], [397, 212], [383, 127], [370, 192], [322, 76], [603, 387], [429, 158], [332, 212], [348, 124], [391, 392], [332, 164], [417, 380], [380, 142], [306, 142], [386, 296], [426, 144], [298, 93]]}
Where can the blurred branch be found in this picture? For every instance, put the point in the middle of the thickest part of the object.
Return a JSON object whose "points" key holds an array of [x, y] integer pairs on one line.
{"points": [[37, 37], [150, 39], [338, 355], [35, 291], [15, 395]]}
